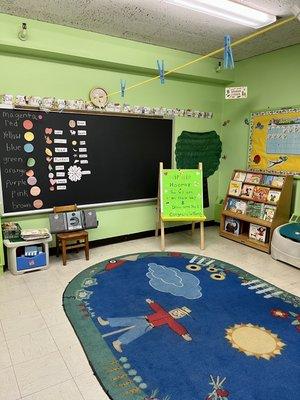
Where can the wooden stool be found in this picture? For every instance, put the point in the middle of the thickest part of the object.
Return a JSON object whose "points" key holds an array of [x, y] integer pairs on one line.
{"points": [[78, 239]]}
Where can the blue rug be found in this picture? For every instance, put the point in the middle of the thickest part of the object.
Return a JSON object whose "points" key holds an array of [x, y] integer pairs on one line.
{"points": [[175, 326]]}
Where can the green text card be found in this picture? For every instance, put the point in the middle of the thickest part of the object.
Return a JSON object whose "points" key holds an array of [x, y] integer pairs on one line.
{"points": [[181, 193]]}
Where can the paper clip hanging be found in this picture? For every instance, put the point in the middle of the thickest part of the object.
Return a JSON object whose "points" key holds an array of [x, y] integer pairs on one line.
{"points": [[123, 86], [228, 56], [161, 71]]}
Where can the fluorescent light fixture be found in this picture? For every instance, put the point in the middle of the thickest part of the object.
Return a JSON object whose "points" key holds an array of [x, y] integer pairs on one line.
{"points": [[228, 10]]}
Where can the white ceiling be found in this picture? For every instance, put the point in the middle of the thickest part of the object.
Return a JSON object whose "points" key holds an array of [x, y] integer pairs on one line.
{"points": [[155, 22]]}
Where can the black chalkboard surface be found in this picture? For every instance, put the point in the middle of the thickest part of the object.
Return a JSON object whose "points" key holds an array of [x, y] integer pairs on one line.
{"points": [[52, 158]]}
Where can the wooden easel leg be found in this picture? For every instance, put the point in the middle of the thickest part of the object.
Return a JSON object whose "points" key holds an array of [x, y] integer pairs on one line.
{"points": [[193, 228], [157, 224], [162, 233], [202, 235]]}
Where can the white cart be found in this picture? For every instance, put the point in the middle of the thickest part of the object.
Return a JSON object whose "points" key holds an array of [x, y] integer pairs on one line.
{"points": [[19, 263]]}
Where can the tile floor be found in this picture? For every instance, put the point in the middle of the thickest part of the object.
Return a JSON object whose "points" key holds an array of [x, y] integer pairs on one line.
{"points": [[40, 356]]}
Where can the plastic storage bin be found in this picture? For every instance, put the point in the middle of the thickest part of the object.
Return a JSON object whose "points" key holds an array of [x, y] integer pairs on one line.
{"points": [[37, 261], [18, 263]]}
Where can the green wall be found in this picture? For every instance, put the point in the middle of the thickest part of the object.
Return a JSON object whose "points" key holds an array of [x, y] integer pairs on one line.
{"points": [[273, 81], [67, 63]]}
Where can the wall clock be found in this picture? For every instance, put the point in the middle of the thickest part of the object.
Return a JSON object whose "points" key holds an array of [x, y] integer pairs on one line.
{"points": [[99, 97]]}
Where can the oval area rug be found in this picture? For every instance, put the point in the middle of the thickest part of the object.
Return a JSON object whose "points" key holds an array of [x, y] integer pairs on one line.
{"points": [[177, 326]]}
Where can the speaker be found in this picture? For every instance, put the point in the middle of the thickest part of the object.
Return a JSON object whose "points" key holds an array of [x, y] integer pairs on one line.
{"points": [[58, 223], [89, 218], [74, 220]]}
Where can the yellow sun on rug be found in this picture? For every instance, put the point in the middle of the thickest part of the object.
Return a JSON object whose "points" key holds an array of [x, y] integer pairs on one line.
{"points": [[254, 340]]}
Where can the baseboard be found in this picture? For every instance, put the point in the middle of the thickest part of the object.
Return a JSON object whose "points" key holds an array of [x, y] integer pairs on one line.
{"points": [[139, 235]]}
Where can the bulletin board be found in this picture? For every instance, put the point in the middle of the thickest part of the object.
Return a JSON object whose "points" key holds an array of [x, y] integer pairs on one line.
{"points": [[275, 141], [181, 194]]}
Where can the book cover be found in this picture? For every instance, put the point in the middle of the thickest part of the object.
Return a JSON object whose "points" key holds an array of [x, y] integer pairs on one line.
{"points": [[269, 212], [278, 181], [255, 210], [235, 205], [231, 204], [253, 178], [232, 225], [241, 207], [267, 180], [239, 176], [260, 193], [273, 196], [235, 188], [257, 232], [247, 191]]}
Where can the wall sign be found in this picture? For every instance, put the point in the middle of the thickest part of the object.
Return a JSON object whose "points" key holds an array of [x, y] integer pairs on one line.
{"points": [[234, 93]]}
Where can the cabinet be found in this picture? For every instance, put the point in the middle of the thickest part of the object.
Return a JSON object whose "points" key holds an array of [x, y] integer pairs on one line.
{"points": [[266, 205]]}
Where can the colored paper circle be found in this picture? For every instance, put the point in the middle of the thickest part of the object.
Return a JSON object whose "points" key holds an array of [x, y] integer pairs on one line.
{"points": [[32, 180], [40, 116], [30, 172], [72, 123], [28, 124], [29, 136], [38, 203], [28, 147], [35, 191], [30, 162]]}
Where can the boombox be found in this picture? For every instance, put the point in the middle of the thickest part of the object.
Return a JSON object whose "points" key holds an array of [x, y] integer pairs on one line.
{"points": [[73, 221]]}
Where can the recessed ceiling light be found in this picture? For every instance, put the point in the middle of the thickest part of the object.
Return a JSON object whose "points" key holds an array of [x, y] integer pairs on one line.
{"points": [[228, 10]]}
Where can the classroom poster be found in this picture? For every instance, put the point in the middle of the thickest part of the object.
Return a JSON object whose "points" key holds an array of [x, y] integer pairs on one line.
{"points": [[275, 141]]}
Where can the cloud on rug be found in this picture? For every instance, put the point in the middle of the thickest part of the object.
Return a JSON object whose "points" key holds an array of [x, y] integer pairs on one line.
{"points": [[173, 281]]}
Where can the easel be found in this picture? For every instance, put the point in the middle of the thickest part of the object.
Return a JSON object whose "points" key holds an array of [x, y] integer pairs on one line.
{"points": [[161, 218]]}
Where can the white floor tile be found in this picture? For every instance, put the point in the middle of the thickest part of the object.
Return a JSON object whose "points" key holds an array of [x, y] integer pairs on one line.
{"points": [[18, 308], [63, 391], [63, 335], [31, 346], [90, 387], [50, 298], [75, 360], [5, 360], [54, 316], [8, 385], [41, 373], [14, 328]]}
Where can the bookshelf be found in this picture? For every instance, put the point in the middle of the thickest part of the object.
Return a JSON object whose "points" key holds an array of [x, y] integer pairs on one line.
{"points": [[250, 211]]}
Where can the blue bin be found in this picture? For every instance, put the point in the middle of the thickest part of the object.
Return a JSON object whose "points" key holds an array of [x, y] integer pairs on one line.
{"points": [[31, 262]]}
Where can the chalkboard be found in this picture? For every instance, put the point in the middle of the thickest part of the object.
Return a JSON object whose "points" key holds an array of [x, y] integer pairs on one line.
{"points": [[52, 158], [181, 194]]}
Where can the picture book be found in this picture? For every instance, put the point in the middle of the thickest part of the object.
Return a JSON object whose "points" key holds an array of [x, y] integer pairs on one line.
{"points": [[278, 181], [269, 212], [260, 193], [237, 206], [235, 188], [257, 232], [273, 196], [232, 225], [247, 191], [255, 210], [239, 176], [253, 178], [267, 180]]}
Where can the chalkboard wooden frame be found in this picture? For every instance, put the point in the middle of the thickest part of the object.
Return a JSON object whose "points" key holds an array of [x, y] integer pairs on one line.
{"points": [[98, 114]]}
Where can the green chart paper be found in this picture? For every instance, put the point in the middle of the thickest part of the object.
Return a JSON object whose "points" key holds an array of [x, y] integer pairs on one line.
{"points": [[181, 194]]}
